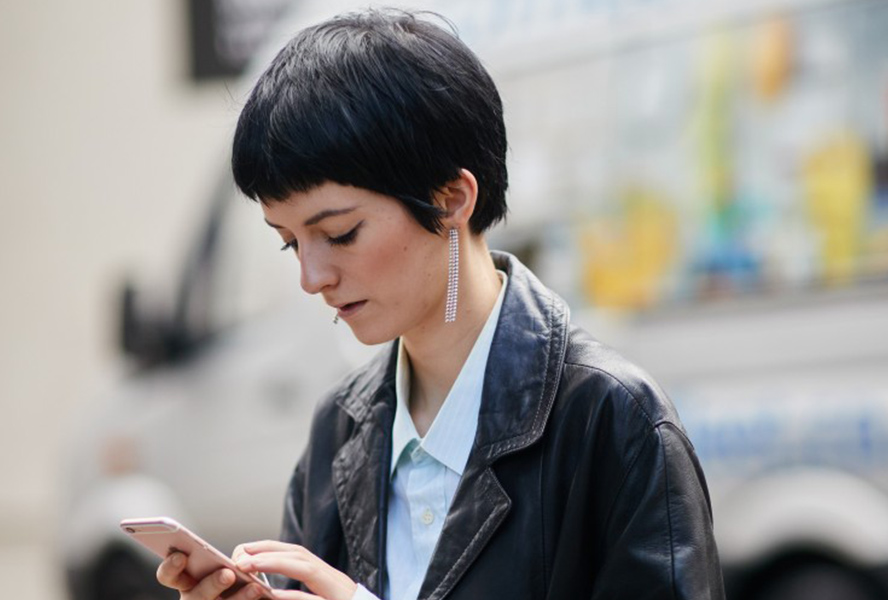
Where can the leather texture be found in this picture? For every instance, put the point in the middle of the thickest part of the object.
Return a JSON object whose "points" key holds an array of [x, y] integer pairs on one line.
{"points": [[581, 483]]}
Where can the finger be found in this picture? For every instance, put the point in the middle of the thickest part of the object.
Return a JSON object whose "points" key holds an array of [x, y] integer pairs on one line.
{"points": [[294, 595], [270, 546], [239, 551], [318, 576], [211, 586], [294, 565], [253, 591], [267, 557], [171, 573]]}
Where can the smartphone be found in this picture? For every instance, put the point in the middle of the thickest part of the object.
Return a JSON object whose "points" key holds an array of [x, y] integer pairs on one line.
{"points": [[163, 535]]}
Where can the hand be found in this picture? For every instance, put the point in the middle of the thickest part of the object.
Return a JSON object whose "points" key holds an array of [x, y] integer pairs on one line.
{"points": [[296, 563], [171, 573]]}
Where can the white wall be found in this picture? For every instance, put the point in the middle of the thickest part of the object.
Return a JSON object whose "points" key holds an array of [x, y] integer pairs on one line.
{"points": [[106, 150]]}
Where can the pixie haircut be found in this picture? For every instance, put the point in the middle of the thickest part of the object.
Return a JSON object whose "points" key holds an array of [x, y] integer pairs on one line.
{"points": [[381, 100]]}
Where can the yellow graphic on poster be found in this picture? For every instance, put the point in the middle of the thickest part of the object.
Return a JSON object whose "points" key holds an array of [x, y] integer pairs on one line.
{"points": [[723, 260], [837, 182], [772, 54], [713, 120], [628, 256]]}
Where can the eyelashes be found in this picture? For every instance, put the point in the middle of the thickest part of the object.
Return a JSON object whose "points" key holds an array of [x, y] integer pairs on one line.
{"points": [[346, 238], [342, 240]]}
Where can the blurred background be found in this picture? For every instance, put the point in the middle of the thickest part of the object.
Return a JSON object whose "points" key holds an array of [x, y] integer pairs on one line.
{"points": [[106, 146], [705, 182]]}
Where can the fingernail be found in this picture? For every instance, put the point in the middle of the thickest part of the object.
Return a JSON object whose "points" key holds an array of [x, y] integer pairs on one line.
{"points": [[254, 593], [177, 560], [225, 577]]}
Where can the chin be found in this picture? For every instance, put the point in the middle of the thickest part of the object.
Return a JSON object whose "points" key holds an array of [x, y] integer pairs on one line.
{"points": [[372, 336]]}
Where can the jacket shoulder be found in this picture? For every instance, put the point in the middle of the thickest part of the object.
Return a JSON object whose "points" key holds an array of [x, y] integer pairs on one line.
{"points": [[601, 373]]}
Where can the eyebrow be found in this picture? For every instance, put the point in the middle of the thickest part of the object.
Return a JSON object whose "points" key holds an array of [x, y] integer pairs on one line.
{"points": [[318, 217]]}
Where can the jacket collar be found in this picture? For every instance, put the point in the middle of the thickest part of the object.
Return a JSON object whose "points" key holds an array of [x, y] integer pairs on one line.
{"points": [[525, 363], [523, 370]]}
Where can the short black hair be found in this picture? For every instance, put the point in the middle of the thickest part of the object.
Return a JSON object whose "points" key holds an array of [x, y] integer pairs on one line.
{"points": [[379, 99]]}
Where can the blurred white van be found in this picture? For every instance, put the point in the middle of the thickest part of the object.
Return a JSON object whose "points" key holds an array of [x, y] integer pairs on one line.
{"points": [[706, 184]]}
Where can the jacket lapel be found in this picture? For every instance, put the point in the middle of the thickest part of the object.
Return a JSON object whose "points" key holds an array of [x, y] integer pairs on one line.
{"points": [[523, 370], [359, 468]]}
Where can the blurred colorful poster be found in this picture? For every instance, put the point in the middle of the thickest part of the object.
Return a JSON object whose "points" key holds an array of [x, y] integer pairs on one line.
{"points": [[734, 159]]}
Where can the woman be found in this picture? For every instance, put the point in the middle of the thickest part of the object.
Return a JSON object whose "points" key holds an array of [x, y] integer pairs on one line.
{"points": [[492, 450]]}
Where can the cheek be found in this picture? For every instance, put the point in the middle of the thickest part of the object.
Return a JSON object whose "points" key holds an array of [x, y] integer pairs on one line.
{"points": [[408, 271]]}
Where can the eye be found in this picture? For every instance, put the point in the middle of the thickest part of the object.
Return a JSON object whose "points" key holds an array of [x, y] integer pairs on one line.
{"points": [[291, 245], [346, 238]]}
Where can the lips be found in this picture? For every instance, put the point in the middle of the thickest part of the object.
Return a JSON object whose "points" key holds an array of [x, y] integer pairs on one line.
{"points": [[347, 310]]}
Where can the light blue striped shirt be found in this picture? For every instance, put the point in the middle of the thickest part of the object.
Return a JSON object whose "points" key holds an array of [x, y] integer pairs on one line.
{"points": [[426, 471]]}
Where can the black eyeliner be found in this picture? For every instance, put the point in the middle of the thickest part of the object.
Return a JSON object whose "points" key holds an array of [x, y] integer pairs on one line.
{"points": [[347, 238]]}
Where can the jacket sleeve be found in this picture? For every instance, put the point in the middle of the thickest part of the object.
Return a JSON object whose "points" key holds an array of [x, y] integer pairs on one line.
{"points": [[660, 542], [311, 517], [291, 528]]}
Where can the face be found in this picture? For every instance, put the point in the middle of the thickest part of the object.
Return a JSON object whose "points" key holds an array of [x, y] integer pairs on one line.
{"points": [[383, 273]]}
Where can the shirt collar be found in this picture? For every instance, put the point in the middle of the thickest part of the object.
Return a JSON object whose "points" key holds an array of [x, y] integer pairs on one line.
{"points": [[450, 438]]}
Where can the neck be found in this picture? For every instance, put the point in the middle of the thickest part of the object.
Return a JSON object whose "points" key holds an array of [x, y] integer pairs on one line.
{"points": [[438, 351]]}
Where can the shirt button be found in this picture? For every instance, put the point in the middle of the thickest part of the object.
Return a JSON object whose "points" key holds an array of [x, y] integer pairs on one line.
{"points": [[427, 517]]}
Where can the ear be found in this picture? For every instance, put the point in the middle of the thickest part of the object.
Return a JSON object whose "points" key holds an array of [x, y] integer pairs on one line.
{"points": [[458, 198]]}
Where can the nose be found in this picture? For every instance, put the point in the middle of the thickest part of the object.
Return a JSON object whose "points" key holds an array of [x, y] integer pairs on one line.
{"points": [[317, 273]]}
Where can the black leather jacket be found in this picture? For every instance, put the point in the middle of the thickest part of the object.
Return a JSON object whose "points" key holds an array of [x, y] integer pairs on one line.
{"points": [[581, 482]]}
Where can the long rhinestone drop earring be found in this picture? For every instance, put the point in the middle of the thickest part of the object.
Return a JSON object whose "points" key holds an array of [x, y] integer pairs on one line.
{"points": [[452, 278]]}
